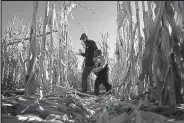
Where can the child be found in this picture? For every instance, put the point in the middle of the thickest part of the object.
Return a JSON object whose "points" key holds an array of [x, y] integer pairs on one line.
{"points": [[101, 72]]}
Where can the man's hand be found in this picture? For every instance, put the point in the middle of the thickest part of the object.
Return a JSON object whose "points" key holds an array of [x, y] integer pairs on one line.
{"points": [[96, 73], [95, 70], [81, 53]]}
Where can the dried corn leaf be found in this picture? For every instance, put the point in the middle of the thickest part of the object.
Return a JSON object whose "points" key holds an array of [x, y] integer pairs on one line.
{"points": [[28, 118], [165, 51], [153, 35], [42, 67], [120, 118], [154, 116], [104, 117], [52, 117], [31, 82], [165, 43], [146, 21], [121, 15], [171, 85], [156, 69], [138, 117], [170, 12], [150, 8]]}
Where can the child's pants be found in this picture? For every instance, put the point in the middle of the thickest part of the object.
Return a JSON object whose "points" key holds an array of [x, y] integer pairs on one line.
{"points": [[102, 78]]}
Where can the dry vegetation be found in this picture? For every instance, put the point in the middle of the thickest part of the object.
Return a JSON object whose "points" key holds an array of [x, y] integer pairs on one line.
{"points": [[41, 80]]}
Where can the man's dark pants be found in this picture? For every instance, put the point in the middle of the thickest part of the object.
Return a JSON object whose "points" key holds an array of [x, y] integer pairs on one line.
{"points": [[86, 72]]}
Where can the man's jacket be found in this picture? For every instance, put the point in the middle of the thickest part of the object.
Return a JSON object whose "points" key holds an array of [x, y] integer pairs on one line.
{"points": [[89, 52]]}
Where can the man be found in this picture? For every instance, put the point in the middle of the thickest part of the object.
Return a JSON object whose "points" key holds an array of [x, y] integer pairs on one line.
{"points": [[102, 72], [90, 47]]}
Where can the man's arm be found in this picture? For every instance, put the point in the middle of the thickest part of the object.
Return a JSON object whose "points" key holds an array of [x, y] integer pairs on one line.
{"points": [[94, 45], [82, 54]]}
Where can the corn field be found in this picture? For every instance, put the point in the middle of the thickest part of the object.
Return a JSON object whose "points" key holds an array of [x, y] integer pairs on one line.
{"points": [[28, 54], [41, 59], [152, 61]]}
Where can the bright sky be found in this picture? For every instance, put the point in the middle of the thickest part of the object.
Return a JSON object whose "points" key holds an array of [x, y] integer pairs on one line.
{"points": [[104, 19]]}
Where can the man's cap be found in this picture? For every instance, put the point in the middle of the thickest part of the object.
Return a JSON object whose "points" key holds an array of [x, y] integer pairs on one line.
{"points": [[83, 36], [97, 52]]}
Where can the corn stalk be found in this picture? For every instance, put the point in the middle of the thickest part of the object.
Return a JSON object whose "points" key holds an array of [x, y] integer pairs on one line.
{"points": [[61, 51], [149, 3], [17, 66], [65, 31], [140, 84], [42, 76], [65, 9], [105, 45], [10, 62], [51, 25], [126, 48], [158, 59], [31, 85]]}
